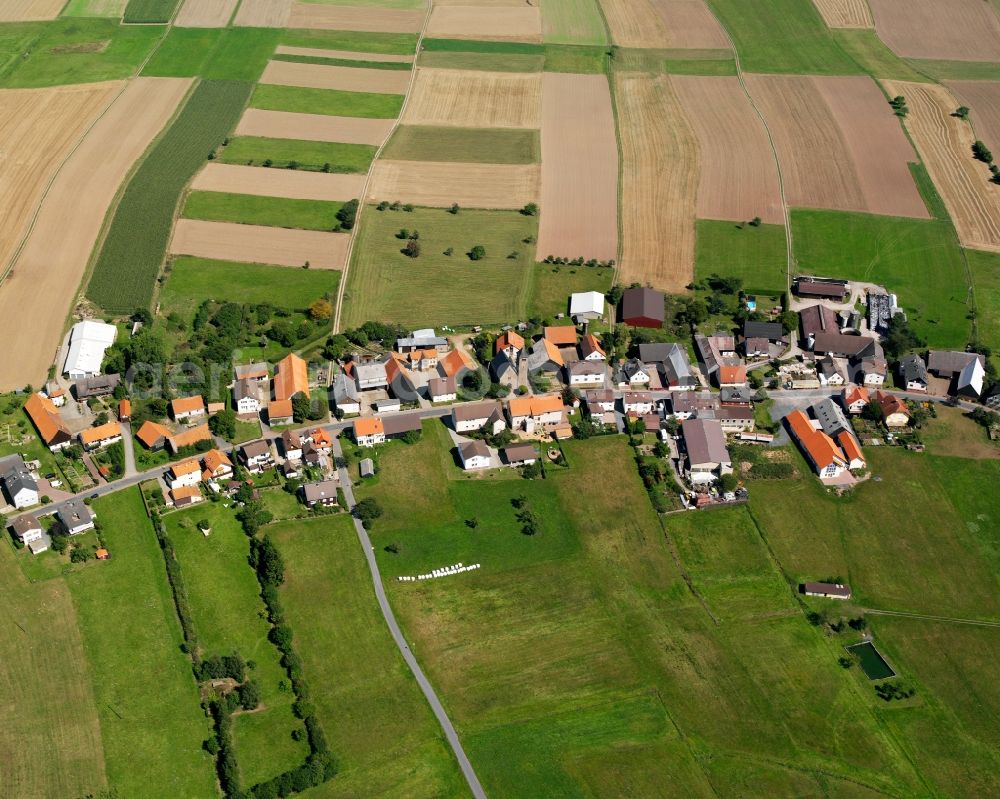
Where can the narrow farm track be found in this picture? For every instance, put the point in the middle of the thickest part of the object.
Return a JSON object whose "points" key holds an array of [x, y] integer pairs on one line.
{"points": [[925, 617]]}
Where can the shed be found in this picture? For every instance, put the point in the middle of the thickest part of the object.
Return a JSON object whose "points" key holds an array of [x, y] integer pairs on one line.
{"points": [[642, 307]]}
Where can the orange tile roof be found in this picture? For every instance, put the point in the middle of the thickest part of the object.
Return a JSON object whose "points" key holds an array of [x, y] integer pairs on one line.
{"points": [[94, 434], [187, 404], [850, 445], [192, 436], [732, 374], [151, 432], [552, 351], [509, 339], [45, 417], [455, 361], [215, 459], [534, 406], [368, 426], [817, 444], [561, 335], [589, 345], [279, 409], [321, 438], [891, 403], [417, 355], [854, 394], [291, 377], [184, 492], [185, 467], [124, 408]]}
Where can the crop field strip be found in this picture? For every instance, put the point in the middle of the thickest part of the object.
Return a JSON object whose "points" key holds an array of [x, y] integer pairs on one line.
{"points": [[213, 53], [468, 99], [845, 13], [150, 11], [469, 145], [136, 241], [399, 44], [94, 8], [945, 145], [484, 23], [255, 210], [263, 13], [205, 13], [441, 184], [313, 127], [966, 30], [54, 257], [351, 79], [342, 55], [573, 22], [27, 10], [690, 24], [297, 154], [259, 244], [357, 62], [288, 183], [983, 100], [350, 18], [297, 99]]}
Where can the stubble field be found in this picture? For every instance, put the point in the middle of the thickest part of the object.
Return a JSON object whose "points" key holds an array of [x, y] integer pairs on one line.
{"points": [[318, 76], [350, 18], [475, 99], [205, 13], [315, 127], [289, 183], [845, 13], [440, 184], [962, 30], [518, 23]]}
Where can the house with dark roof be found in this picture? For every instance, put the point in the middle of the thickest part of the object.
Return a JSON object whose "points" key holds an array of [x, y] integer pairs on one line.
{"points": [[76, 517], [822, 288], [346, 397], [519, 455], [586, 373], [826, 590], [816, 319], [706, 456], [843, 346], [913, 372], [831, 417], [442, 389], [504, 371], [471, 416], [949, 363], [28, 530], [642, 307], [398, 425], [256, 455], [322, 494], [96, 386], [474, 455], [18, 484], [687, 404], [763, 339], [545, 357]]}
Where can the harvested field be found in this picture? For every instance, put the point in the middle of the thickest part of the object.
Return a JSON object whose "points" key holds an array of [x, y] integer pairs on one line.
{"points": [[55, 254], [960, 30], [440, 185], [690, 25], [468, 99], [660, 166], [845, 13], [744, 184], [345, 55], [205, 13], [348, 18], [635, 23], [839, 144], [263, 13], [573, 22], [315, 127], [24, 10], [579, 207], [945, 144], [289, 183], [469, 145], [517, 23], [983, 98], [317, 76], [259, 245]]}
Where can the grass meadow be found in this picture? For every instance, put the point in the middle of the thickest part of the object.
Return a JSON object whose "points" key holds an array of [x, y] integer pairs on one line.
{"points": [[920, 259], [577, 662], [386, 739], [551, 286], [311, 156], [487, 62], [358, 41], [139, 11], [94, 8], [327, 101], [757, 255], [146, 697], [512, 56], [213, 53], [573, 22], [226, 607], [867, 49], [251, 209], [985, 268], [437, 289], [466, 145], [134, 246], [342, 62]]}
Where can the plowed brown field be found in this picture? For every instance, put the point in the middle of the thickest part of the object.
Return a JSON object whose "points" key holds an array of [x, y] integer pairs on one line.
{"points": [[635, 23], [264, 13], [579, 207], [344, 55], [660, 159], [205, 13], [962, 30], [839, 145], [945, 144], [348, 79], [469, 99], [313, 127], [739, 178], [442, 184], [55, 254], [690, 24], [24, 10], [983, 98], [845, 13], [520, 23], [256, 244], [289, 183], [351, 18]]}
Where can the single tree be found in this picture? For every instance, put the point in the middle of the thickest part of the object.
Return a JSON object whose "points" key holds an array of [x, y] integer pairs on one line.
{"points": [[477, 253]]}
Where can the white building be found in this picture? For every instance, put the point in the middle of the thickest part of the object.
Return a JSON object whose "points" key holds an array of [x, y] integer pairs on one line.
{"points": [[88, 341], [76, 517], [586, 305], [473, 416], [185, 473], [589, 374], [19, 485], [474, 455], [638, 402], [249, 395]]}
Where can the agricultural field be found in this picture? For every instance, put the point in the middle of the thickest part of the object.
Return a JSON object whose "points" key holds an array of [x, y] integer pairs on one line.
{"points": [[845, 13], [502, 22], [353, 18], [251, 209], [454, 290], [136, 241], [475, 99], [343, 78], [214, 53], [145, 11], [573, 22], [293, 184], [310, 156], [440, 185], [353, 41], [965, 30], [257, 244], [985, 268], [465, 145], [756, 255], [205, 13], [21, 10], [314, 127], [94, 8], [326, 101], [983, 100]]}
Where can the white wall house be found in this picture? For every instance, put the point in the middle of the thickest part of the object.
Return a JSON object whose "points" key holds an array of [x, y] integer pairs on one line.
{"points": [[185, 473], [638, 402], [474, 455]]}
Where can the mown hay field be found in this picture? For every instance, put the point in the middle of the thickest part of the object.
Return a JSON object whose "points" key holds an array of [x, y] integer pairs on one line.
{"points": [[517, 23], [321, 76], [314, 127], [573, 22], [468, 145], [251, 209], [845, 13], [354, 18], [326, 101], [310, 156], [213, 53], [263, 13], [475, 99], [136, 241], [756, 255], [442, 184]]}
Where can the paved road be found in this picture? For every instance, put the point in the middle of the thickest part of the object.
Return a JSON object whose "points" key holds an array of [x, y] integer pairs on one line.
{"points": [[397, 635], [129, 444]]}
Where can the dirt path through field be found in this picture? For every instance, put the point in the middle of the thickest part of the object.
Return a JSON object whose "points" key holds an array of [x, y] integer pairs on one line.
{"points": [[259, 245], [470, 99], [945, 144], [292, 184], [205, 13], [349, 79], [443, 184], [54, 258], [579, 207], [313, 127], [660, 166], [351, 18]]}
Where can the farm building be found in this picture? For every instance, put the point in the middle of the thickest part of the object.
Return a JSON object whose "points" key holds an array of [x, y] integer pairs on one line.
{"points": [[251, 371], [641, 307], [544, 357], [707, 457], [184, 408], [586, 305], [455, 363], [560, 335], [969, 383], [102, 436], [96, 386], [125, 411], [55, 393], [400, 424], [291, 377], [504, 371], [421, 340], [88, 341], [672, 361], [827, 590], [153, 435], [189, 438], [831, 417], [279, 412], [47, 421], [822, 288], [826, 455], [816, 319]]}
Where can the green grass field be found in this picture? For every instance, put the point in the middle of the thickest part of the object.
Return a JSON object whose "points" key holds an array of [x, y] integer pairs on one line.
{"points": [[147, 699], [312, 156], [326, 101], [865, 47], [214, 53], [928, 192], [150, 10], [71, 50], [552, 285], [755, 254], [784, 36], [454, 290], [676, 61], [134, 247], [468, 145], [919, 259], [512, 56], [193, 280], [94, 8], [985, 268], [956, 70], [487, 62], [573, 22], [379, 725], [398, 66], [359, 41], [251, 209], [226, 606]]}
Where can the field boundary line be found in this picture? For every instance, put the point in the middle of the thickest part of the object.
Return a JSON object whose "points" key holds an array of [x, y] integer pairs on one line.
{"points": [[362, 200], [928, 617]]}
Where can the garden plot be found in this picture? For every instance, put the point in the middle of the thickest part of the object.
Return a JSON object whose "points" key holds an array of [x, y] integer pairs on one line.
{"points": [[470, 99], [289, 183], [263, 13], [579, 205], [319, 76], [261, 245], [845, 13], [313, 127], [961, 30], [517, 23], [350, 18], [443, 184], [205, 13]]}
